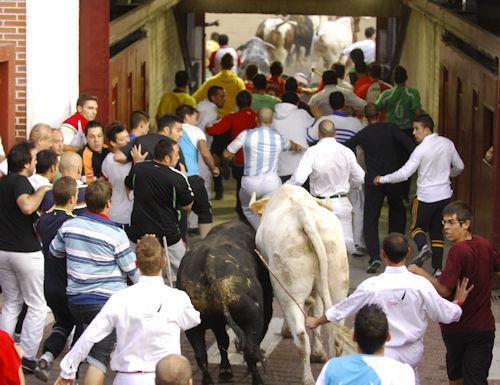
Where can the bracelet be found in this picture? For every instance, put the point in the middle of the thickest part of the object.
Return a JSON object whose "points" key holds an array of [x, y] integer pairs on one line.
{"points": [[459, 303]]}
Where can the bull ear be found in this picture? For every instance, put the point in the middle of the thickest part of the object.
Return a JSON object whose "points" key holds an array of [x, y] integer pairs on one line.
{"points": [[242, 47], [258, 206], [326, 203]]}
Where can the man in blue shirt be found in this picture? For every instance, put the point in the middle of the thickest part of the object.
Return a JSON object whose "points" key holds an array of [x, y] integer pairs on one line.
{"points": [[368, 366]]}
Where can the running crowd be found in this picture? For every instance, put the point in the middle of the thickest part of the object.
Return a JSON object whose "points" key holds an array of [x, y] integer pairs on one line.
{"points": [[88, 213]]}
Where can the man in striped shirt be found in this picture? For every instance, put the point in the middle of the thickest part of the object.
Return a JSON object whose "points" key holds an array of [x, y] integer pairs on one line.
{"points": [[98, 260], [261, 150]]}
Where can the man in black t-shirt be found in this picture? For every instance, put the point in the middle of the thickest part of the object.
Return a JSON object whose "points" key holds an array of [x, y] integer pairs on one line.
{"points": [[160, 191], [21, 259]]}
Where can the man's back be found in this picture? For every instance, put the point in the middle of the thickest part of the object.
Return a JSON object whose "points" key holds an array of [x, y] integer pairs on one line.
{"points": [[364, 369], [262, 101], [400, 104], [261, 149], [189, 147], [346, 126], [171, 100]]}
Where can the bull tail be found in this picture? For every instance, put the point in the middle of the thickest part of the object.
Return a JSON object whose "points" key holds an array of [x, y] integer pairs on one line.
{"points": [[311, 229], [251, 351]]}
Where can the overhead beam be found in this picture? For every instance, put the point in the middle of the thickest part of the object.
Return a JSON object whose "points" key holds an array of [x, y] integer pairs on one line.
{"points": [[381, 8]]}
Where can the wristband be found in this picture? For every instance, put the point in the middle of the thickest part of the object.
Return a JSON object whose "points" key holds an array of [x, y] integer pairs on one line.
{"points": [[459, 303]]}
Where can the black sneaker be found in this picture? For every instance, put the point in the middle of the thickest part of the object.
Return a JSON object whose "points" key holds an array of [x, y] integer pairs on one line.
{"points": [[29, 366], [373, 266], [422, 256]]}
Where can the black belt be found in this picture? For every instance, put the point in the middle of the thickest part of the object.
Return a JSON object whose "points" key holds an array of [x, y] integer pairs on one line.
{"points": [[334, 196]]}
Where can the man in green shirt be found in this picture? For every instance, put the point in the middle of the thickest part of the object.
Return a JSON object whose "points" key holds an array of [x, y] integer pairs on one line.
{"points": [[259, 97], [401, 104]]}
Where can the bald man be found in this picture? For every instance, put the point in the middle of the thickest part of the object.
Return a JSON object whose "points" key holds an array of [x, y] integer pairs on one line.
{"points": [[71, 165], [174, 369], [41, 136], [332, 170], [262, 147]]}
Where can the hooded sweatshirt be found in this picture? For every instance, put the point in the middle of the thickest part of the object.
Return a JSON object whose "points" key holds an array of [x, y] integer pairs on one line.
{"points": [[227, 80], [291, 123]]}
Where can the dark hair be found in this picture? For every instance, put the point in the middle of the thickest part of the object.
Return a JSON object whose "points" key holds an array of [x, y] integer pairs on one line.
{"points": [[19, 156], [259, 82], [168, 120], [45, 159], [339, 69], [97, 194], [251, 71], [395, 246], [375, 71], [163, 148], [227, 61], [114, 129], [276, 68], [213, 90], [360, 67], [290, 97], [369, 32], [84, 99], [400, 75], [184, 110], [181, 78], [371, 111], [461, 210], [371, 328], [426, 121], [336, 100], [291, 84], [137, 117], [357, 55], [243, 99], [329, 77], [92, 124], [223, 39], [63, 189]]}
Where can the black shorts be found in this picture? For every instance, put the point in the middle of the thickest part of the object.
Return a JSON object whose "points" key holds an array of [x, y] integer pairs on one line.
{"points": [[201, 204], [468, 356]]}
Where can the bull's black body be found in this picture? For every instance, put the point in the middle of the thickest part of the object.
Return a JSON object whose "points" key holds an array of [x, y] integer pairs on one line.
{"points": [[227, 284], [303, 34]]}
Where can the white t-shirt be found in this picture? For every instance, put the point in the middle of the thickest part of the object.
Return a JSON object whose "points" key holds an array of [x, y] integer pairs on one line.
{"points": [[368, 48], [38, 181], [121, 200]]}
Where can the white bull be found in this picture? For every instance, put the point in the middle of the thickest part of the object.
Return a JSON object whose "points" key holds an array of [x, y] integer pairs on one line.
{"points": [[330, 40], [304, 244]]}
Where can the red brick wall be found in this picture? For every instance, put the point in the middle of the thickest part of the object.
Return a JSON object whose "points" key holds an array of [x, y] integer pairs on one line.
{"points": [[13, 31]]}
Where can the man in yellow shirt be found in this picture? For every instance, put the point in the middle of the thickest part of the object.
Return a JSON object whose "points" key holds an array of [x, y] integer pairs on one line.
{"points": [[226, 79], [178, 97]]}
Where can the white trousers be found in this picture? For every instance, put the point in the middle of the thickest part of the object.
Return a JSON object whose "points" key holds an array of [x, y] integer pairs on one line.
{"points": [[21, 278], [261, 185], [357, 199], [175, 254], [410, 354], [134, 379], [342, 208]]}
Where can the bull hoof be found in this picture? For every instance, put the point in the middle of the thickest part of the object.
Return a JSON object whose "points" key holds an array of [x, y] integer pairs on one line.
{"points": [[318, 357], [285, 331], [225, 375]]}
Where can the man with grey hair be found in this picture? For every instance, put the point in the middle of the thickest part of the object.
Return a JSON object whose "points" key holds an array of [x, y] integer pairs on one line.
{"points": [[174, 369], [41, 136], [332, 170], [262, 149]]}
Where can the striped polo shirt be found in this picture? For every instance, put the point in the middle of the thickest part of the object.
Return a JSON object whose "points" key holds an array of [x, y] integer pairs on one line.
{"points": [[261, 149], [98, 257]]}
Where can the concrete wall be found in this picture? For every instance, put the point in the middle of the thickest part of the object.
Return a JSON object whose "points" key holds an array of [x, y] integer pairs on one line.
{"points": [[52, 53], [165, 56], [421, 59]]}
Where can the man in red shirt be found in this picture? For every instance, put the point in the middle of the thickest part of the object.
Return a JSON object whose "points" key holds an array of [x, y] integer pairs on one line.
{"points": [[275, 84], [11, 372], [363, 78], [370, 90], [235, 123], [73, 128], [250, 72], [469, 342]]}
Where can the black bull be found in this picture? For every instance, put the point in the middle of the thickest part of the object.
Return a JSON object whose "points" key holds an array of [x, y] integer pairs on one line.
{"points": [[228, 284]]}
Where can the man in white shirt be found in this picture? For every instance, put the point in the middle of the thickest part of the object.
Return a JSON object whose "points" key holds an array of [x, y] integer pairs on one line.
{"points": [[367, 46], [436, 160], [217, 56], [291, 123], [116, 172], [371, 332], [321, 99], [47, 163], [407, 299], [148, 317], [333, 171]]}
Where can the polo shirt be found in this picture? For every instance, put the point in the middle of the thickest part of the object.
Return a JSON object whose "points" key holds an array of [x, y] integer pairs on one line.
{"points": [[189, 145], [73, 130], [400, 105], [477, 260], [235, 123], [48, 201], [260, 101], [171, 100], [16, 229], [159, 190]]}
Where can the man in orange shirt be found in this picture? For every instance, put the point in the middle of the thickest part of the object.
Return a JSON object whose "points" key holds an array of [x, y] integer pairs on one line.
{"points": [[275, 84], [362, 74], [370, 90]]}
